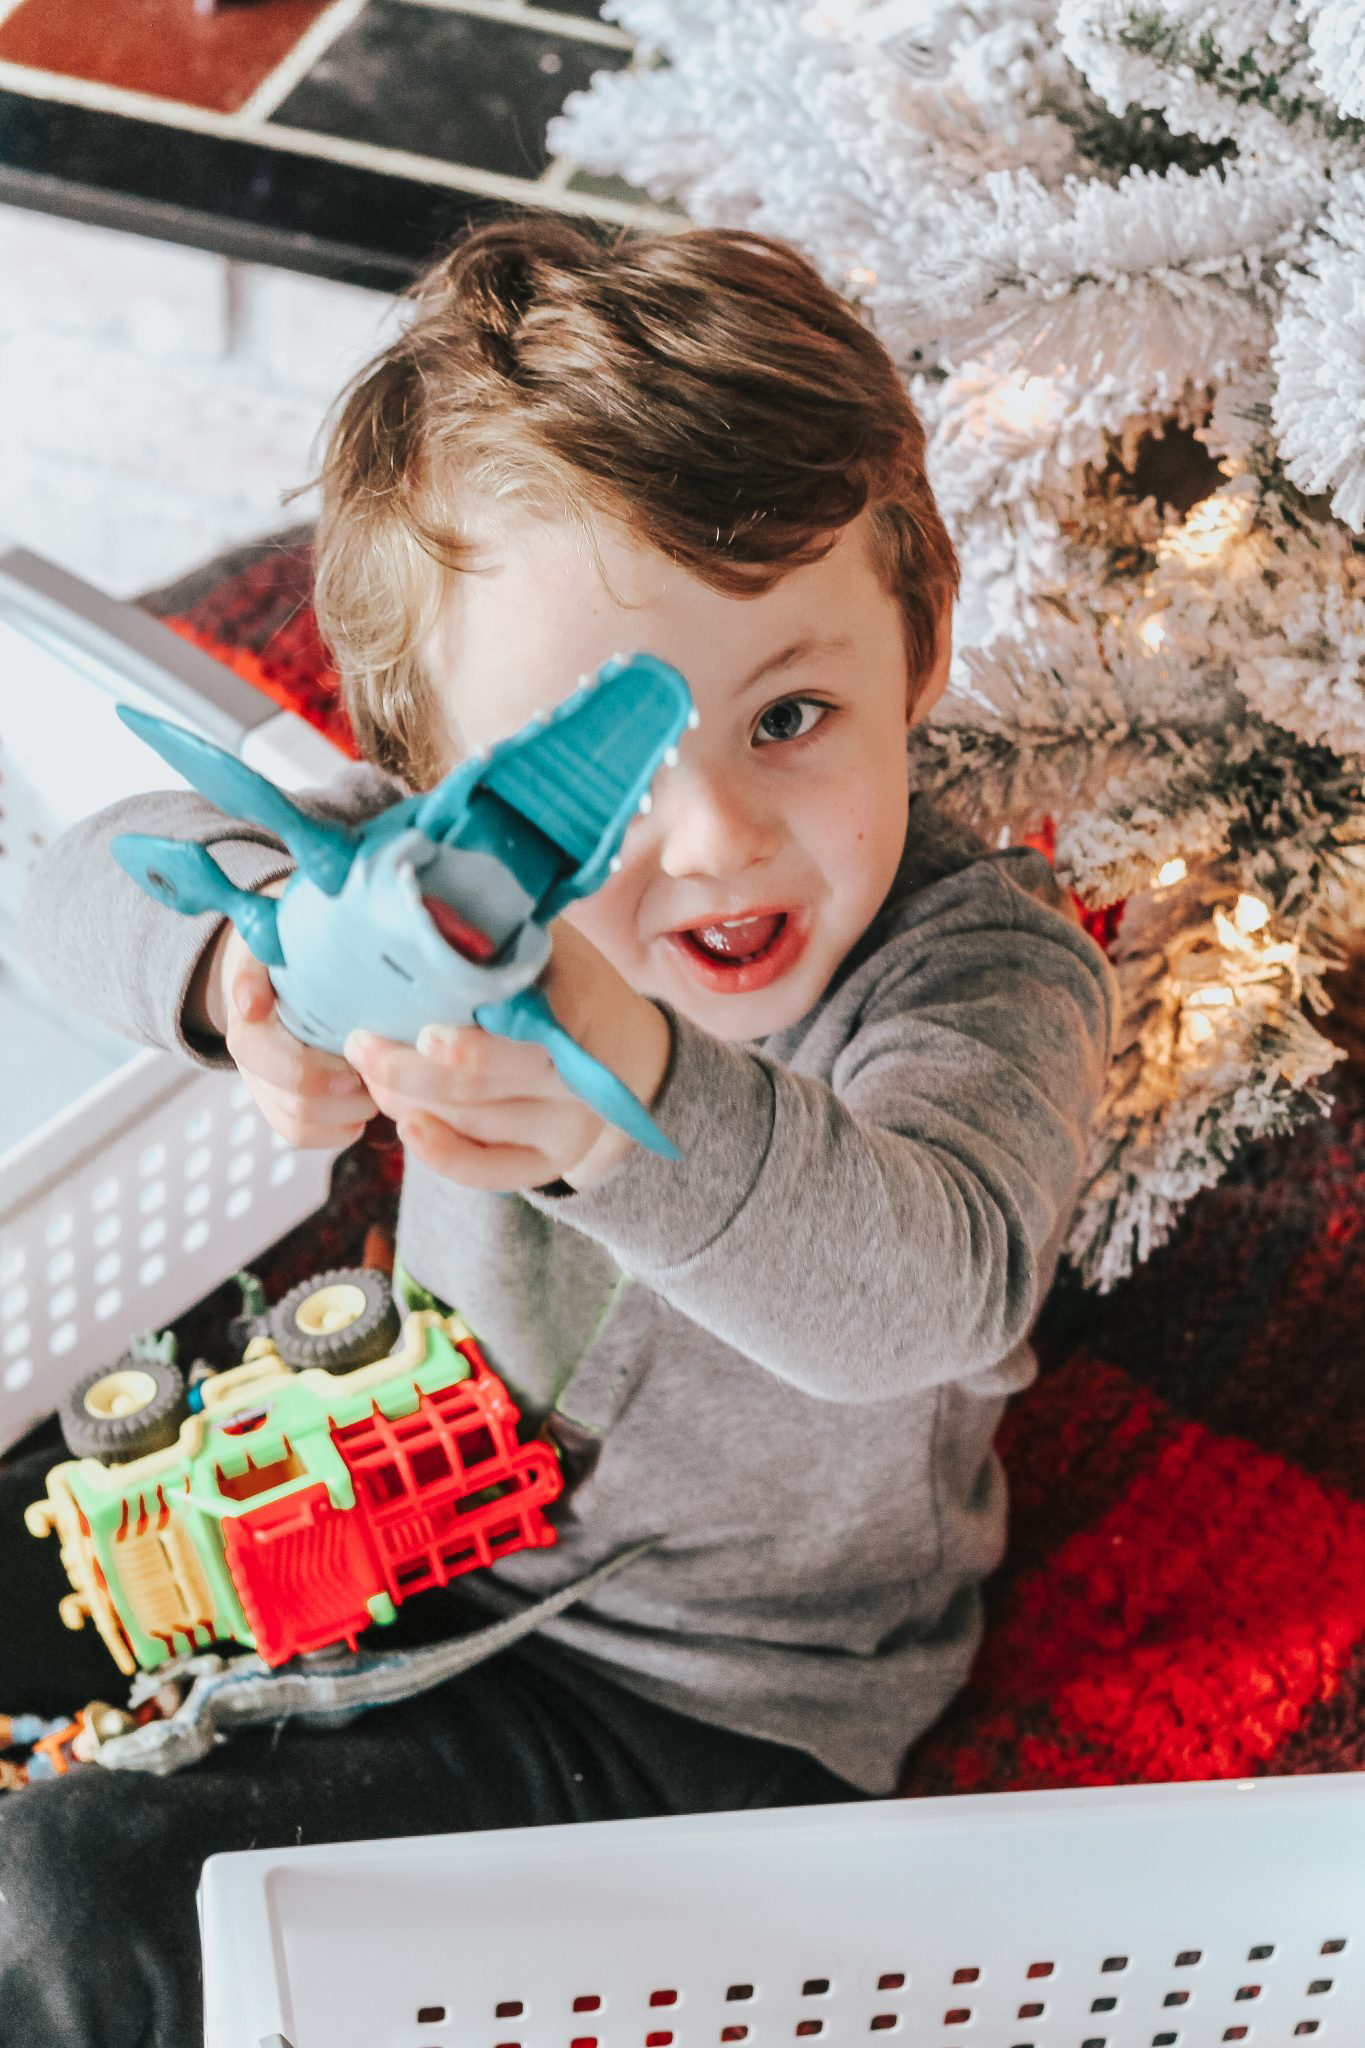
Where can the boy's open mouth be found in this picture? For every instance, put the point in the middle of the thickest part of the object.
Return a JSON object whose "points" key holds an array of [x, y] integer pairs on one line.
{"points": [[737, 956], [737, 939]]}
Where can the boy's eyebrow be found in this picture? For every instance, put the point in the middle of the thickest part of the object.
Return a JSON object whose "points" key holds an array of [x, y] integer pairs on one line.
{"points": [[798, 650]]}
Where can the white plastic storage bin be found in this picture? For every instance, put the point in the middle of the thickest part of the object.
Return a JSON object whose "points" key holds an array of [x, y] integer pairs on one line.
{"points": [[130, 1182], [1166, 1916]]}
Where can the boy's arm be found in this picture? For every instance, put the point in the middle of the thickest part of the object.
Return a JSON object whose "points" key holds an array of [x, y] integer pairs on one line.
{"points": [[106, 948], [898, 1227]]}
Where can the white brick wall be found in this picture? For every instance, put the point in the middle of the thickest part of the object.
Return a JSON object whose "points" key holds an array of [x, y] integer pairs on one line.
{"points": [[155, 402]]}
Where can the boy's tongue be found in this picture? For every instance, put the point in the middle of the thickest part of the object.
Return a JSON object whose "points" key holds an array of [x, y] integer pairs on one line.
{"points": [[739, 941]]}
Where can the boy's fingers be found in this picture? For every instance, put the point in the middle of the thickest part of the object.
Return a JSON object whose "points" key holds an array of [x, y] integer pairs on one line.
{"points": [[250, 990], [272, 1055], [324, 1121], [464, 1065], [501, 1169], [531, 1124], [251, 999], [311, 1123]]}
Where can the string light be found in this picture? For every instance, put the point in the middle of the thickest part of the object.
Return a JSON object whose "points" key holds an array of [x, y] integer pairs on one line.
{"points": [[1171, 872], [1237, 938], [1258, 962], [1153, 632], [1210, 526]]}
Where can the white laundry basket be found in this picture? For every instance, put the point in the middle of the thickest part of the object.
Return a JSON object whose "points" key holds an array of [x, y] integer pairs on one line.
{"points": [[1166, 1916], [130, 1181]]}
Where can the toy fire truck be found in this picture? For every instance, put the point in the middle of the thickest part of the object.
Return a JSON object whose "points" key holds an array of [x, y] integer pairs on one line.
{"points": [[355, 1457]]}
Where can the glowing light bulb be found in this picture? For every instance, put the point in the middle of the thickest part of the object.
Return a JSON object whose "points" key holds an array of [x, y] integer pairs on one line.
{"points": [[1172, 872], [1206, 532], [1250, 914], [1198, 1027], [1213, 998], [861, 275], [1153, 632]]}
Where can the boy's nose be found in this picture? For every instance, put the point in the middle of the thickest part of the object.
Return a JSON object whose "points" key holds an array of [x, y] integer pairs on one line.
{"points": [[707, 824]]}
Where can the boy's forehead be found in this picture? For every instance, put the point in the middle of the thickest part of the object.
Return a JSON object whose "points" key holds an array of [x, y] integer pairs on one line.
{"points": [[549, 602]]}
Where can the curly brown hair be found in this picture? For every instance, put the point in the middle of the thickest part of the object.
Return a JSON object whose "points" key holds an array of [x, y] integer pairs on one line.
{"points": [[706, 388]]}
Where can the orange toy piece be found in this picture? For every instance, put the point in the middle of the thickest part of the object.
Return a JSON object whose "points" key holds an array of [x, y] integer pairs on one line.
{"points": [[56, 1748]]}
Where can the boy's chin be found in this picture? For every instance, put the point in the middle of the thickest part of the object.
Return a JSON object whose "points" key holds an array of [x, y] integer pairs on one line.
{"points": [[741, 1019]]}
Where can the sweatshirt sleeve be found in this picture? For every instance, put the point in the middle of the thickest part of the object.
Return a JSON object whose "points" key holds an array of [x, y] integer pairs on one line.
{"points": [[897, 1226], [108, 949]]}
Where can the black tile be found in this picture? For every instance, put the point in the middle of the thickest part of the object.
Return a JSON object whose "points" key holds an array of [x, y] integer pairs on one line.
{"points": [[457, 87], [235, 198]]}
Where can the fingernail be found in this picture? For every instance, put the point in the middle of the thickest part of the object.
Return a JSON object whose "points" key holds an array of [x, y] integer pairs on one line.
{"points": [[358, 1044], [435, 1039], [244, 997]]}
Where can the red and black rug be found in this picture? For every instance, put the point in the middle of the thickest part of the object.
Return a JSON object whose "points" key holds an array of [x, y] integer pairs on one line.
{"points": [[1185, 1592]]}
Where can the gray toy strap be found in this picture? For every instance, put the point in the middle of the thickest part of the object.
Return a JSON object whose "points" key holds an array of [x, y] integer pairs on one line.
{"points": [[242, 1692]]}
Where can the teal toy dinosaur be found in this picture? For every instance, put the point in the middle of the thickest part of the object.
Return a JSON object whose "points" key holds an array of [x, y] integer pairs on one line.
{"points": [[435, 910]]}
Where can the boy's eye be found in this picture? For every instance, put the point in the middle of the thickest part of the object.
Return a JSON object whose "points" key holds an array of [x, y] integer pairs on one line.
{"points": [[783, 721]]}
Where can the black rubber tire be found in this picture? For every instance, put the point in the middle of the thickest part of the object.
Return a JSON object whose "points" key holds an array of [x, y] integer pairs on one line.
{"points": [[116, 1439], [371, 1336]]}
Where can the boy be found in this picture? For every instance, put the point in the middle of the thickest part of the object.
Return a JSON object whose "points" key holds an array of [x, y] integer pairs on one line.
{"points": [[877, 1045]]}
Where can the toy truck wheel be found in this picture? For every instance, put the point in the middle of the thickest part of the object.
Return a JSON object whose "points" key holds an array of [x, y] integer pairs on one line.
{"points": [[337, 1320], [126, 1410]]}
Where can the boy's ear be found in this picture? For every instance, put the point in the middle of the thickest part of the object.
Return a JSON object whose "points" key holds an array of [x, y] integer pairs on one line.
{"points": [[925, 691]]}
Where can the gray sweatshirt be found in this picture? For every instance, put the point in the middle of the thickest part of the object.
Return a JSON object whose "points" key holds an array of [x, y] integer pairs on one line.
{"points": [[785, 1356]]}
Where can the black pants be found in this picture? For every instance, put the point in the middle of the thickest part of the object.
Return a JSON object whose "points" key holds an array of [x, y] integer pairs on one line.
{"points": [[99, 1946]]}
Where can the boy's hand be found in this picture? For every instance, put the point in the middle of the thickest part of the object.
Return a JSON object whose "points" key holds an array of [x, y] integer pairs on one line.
{"points": [[492, 1112], [314, 1099]]}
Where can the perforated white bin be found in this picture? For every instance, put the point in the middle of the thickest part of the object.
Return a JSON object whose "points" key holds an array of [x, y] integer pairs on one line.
{"points": [[1169, 1916], [130, 1182]]}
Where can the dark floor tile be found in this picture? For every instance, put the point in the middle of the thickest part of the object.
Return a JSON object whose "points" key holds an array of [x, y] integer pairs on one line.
{"points": [[237, 198], [458, 87]]}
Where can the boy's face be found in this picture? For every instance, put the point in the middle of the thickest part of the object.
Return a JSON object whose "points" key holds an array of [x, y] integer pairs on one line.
{"points": [[787, 807]]}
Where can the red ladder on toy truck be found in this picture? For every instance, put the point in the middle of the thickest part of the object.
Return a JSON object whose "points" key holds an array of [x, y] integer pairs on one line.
{"points": [[438, 1492]]}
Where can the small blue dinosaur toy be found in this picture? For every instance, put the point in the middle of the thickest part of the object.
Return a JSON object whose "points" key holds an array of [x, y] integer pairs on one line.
{"points": [[435, 910]]}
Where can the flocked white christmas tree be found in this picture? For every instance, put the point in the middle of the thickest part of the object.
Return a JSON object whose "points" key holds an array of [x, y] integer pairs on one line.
{"points": [[1118, 250]]}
